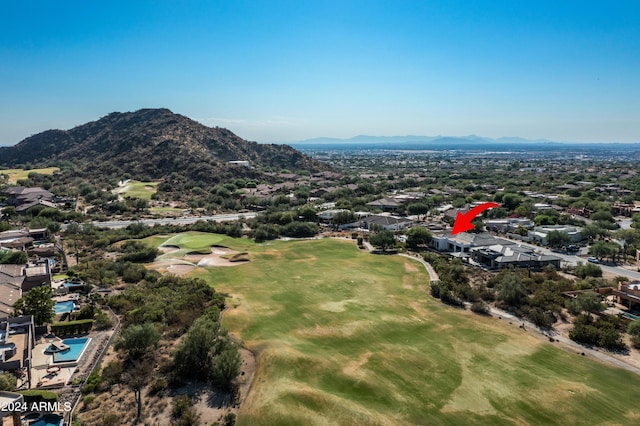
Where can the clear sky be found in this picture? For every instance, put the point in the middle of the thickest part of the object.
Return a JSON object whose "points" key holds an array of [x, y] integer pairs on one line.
{"points": [[288, 70]]}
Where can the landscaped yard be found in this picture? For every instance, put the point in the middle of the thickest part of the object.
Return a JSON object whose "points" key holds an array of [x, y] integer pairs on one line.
{"points": [[346, 337], [14, 175]]}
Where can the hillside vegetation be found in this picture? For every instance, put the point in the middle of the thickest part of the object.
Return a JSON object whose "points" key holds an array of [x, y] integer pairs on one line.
{"points": [[151, 144]]}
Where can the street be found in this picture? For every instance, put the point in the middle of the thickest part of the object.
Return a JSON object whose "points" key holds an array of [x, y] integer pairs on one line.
{"points": [[116, 224]]}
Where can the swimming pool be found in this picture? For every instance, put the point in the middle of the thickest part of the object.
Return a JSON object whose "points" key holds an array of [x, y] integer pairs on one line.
{"points": [[62, 307], [76, 348], [69, 284], [48, 420]]}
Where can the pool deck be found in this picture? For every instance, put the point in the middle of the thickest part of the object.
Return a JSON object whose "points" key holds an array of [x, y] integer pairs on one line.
{"points": [[41, 362]]}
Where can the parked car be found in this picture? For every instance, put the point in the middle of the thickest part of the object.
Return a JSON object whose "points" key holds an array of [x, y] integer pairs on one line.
{"points": [[572, 248], [592, 260]]}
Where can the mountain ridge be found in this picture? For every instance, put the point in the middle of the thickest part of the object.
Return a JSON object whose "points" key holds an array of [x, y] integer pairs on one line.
{"points": [[152, 143]]}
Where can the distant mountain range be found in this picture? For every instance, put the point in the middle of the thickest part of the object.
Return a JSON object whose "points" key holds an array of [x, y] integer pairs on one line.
{"points": [[426, 139], [152, 144]]}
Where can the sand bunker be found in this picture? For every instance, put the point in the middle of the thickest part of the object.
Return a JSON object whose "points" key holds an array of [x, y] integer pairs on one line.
{"points": [[168, 248], [220, 256], [179, 270]]}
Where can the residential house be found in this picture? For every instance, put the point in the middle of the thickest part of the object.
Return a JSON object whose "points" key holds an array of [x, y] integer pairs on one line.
{"points": [[628, 293], [500, 256], [385, 204], [17, 338], [18, 279], [11, 278], [508, 224], [391, 223], [24, 198], [20, 239], [539, 233], [328, 215], [463, 241]]}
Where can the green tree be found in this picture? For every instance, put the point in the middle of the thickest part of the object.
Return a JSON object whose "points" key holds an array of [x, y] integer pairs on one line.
{"points": [[226, 366], [584, 270], [602, 216], [588, 302], [136, 339], [604, 249], [7, 382], [634, 332], [417, 236], [193, 356], [418, 209], [593, 231], [308, 213], [511, 290], [558, 239], [383, 239], [630, 239], [343, 217], [511, 201], [13, 257], [36, 302]]}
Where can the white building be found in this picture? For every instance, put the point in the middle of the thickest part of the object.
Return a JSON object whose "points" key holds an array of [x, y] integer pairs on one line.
{"points": [[391, 223], [508, 224], [539, 233]]}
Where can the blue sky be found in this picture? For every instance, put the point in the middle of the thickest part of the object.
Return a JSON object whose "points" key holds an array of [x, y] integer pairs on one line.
{"points": [[289, 70]]}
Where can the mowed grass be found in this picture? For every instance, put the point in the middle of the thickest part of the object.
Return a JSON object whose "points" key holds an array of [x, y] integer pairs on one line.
{"points": [[135, 189], [345, 337], [14, 175], [197, 242]]}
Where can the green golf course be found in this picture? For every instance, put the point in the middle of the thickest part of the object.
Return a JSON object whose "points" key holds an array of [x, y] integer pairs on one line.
{"points": [[346, 337]]}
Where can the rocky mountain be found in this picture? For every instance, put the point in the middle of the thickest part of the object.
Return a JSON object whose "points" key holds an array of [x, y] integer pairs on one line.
{"points": [[153, 143]]}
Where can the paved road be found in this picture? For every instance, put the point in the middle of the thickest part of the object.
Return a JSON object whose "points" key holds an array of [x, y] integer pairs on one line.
{"points": [[115, 224]]}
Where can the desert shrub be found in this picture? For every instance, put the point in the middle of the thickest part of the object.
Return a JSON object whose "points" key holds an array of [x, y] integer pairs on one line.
{"points": [[93, 383], [87, 400], [588, 270], [634, 332], [102, 321], [183, 412], [158, 386], [112, 373], [479, 307], [229, 419]]}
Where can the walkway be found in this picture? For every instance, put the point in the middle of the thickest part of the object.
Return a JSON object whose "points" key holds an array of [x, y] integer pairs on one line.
{"points": [[433, 275]]}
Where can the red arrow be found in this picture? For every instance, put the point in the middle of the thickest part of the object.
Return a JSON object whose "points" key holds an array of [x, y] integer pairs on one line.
{"points": [[463, 221]]}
